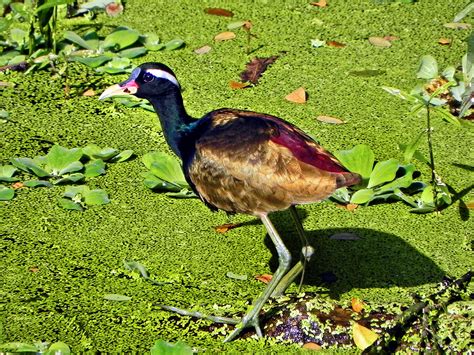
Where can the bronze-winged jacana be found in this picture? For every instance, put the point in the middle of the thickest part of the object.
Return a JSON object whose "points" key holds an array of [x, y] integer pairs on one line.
{"points": [[240, 161]]}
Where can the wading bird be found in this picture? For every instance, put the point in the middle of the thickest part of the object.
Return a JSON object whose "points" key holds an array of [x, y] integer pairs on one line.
{"points": [[240, 161]]}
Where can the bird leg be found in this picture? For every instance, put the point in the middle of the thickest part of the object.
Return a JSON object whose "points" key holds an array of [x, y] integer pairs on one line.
{"points": [[251, 319], [307, 252]]}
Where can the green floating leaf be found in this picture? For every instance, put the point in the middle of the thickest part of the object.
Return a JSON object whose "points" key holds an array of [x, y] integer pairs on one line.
{"points": [[428, 68], [37, 183], [18, 347], [133, 52], [136, 266], [174, 44], [359, 159], [7, 172], [91, 62], [6, 193], [106, 154], [122, 156], [165, 168], [231, 275], [58, 348], [383, 171], [76, 39], [362, 196], [162, 347], [71, 178], [53, 3], [152, 42], [183, 193], [30, 166], [70, 205], [116, 297], [121, 38], [96, 197], [235, 25], [404, 181], [60, 160], [94, 168]]}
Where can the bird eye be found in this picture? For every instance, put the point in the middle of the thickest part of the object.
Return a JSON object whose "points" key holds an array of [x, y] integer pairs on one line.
{"points": [[147, 77]]}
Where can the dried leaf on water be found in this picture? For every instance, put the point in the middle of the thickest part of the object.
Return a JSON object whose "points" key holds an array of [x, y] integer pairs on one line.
{"points": [[311, 346], [357, 305], [218, 12], [298, 96], [391, 38], [363, 337], [320, 3], [380, 42], [444, 41], [203, 50], [255, 68], [265, 278], [224, 228], [458, 25], [350, 206], [224, 36], [18, 185], [88, 92], [335, 44], [329, 119], [235, 85]]}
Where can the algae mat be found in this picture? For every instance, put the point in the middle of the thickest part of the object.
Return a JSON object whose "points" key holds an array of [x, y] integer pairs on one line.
{"points": [[58, 265]]}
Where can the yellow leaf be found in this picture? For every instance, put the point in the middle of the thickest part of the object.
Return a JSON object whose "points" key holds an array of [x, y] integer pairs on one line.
{"points": [[265, 278], [329, 119], [236, 85], [312, 346], [363, 337], [357, 305], [224, 36], [379, 42], [298, 96]]}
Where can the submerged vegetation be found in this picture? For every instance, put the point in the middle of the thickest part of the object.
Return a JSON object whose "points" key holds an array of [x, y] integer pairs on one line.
{"points": [[66, 278]]}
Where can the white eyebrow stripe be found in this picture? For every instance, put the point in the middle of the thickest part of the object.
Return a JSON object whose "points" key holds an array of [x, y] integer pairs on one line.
{"points": [[158, 73]]}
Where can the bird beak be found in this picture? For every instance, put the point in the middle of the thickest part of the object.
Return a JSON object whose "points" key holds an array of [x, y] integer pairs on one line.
{"points": [[126, 88]]}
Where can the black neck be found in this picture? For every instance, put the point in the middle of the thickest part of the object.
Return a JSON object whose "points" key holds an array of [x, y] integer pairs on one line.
{"points": [[173, 117]]}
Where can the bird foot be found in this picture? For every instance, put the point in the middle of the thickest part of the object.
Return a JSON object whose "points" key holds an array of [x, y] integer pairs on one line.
{"points": [[247, 321]]}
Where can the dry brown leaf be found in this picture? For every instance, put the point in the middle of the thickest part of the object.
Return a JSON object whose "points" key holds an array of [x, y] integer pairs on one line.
{"points": [[391, 38], [203, 50], [357, 305], [470, 205], [218, 12], [224, 36], [312, 346], [444, 41], [88, 92], [224, 228], [320, 3], [18, 185], [255, 68], [380, 42], [363, 337], [265, 278], [235, 85], [335, 44], [33, 269], [329, 119], [298, 96]]}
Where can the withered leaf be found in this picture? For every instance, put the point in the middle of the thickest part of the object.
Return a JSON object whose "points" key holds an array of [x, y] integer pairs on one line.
{"points": [[349, 206], [380, 42], [88, 92], [224, 228], [298, 96], [218, 12], [224, 36], [235, 85], [33, 269], [312, 346], [363, 337], [329, 119], [18, 185], [357, 305], [458, 25], [391, 38], [320, 3], [255, 68], [444, 41], [335, 44], [470, 205], [203, 50], [265, 278]]}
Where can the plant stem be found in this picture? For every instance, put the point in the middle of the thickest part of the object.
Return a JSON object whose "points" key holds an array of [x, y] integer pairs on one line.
{"points": [[430, 149]]}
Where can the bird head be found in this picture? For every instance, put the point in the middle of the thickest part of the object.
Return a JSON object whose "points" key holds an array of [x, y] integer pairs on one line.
{"points": [[146, 81]]}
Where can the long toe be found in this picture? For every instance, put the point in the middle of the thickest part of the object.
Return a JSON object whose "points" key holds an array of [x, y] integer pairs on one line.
{"points": [[246, 322]]}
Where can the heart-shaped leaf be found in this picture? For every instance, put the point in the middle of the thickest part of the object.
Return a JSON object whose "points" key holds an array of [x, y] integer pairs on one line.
{"points": [[60, 160], [165, 167], [383, 171], [121, 38], [359, 159], [6, 193], [362, 196], [428, 68], [94, 168]]}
